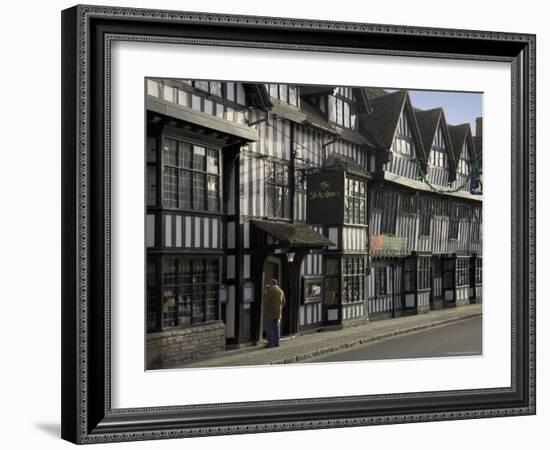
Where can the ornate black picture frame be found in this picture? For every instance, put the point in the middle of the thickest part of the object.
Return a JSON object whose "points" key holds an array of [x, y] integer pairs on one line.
{"points": [[87, 35]]}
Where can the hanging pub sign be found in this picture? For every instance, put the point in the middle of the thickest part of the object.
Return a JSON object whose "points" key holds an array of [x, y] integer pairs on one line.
{"points": [[325, 198]]}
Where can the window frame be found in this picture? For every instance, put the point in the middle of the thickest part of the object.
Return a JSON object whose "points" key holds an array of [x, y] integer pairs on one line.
{"points": [[194, 173], [191, 287]]}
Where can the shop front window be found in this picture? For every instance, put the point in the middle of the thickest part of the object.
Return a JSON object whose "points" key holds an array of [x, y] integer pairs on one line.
{"points": [[190, 292]]}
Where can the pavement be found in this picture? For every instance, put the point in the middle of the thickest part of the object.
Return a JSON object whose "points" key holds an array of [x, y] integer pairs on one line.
{"points": [[313, 345]]}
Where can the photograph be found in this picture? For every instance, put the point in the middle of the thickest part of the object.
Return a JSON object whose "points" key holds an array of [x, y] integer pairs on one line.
{"points": [[292, 223]]}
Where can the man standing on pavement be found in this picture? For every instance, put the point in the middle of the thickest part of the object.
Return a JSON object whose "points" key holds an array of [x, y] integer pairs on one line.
{"points": [[273, 309]]}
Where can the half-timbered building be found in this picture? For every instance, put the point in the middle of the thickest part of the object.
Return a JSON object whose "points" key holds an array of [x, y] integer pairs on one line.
{"points": [[319, 187]]}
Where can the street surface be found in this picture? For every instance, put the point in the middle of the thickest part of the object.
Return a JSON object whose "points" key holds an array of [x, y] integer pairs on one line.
{"points": [[462, 338]]}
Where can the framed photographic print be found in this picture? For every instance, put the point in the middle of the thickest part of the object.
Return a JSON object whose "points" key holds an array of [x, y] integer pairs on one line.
{"points": [[280, 224]]}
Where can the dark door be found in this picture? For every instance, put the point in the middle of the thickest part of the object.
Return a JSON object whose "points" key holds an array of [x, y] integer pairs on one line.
{"points": [[272, 270]]}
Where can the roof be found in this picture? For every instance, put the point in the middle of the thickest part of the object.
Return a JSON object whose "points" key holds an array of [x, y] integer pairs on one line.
{"points": [[458, 134], [382, 122], [294, 235], [375, 92], [257, 94], [201, 119], [428, 120], [335, 160], [427, 124]]}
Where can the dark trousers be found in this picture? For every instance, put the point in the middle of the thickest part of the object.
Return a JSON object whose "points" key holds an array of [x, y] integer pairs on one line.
{"points": [[272, 331]]}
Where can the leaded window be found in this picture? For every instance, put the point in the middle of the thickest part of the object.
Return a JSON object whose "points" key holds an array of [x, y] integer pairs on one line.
{"points": [[448, 273], [453, 221], [479, 271], [287, 93], [331, 280], [426, 211], [408, 275], [212, 87], [389, 213], [152, 296], [190, 291], [340, 108], [403, 143], [277, 189], [191, 176], [438, 154], [355, 202], [424, 269], [353, 279], [380, 281], [462, 272]]}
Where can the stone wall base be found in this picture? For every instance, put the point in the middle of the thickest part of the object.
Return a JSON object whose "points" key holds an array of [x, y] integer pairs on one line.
{"points": [[177, 347]]}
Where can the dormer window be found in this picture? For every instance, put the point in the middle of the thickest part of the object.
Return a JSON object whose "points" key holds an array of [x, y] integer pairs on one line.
{"points": [[211, 87], [403, 143], [340, 110], [463, 166], [287, 93], [438, 154]]}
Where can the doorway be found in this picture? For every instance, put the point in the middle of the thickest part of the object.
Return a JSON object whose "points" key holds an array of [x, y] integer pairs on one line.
{"points": [[271, 270]]}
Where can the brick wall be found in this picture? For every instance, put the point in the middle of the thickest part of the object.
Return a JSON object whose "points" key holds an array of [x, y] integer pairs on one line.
{"points": [[174, 348]]}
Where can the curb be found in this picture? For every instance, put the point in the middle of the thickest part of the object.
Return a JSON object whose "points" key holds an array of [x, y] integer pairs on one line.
{"points": [[375, 338]]}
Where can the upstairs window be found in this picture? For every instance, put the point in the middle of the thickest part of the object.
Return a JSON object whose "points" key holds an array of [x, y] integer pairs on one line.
{"points": [[438, 154], [403, 143], [463, 167], [211, 87], [190, 176], [340, 108], [355, 201], [277, 189], [287, 93]]}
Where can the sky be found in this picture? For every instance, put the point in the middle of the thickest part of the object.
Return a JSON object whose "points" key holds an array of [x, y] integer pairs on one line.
{"points": [[459, 107]]}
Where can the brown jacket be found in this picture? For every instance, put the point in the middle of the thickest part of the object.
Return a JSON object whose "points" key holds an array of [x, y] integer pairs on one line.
{"points": [[273, 304]]}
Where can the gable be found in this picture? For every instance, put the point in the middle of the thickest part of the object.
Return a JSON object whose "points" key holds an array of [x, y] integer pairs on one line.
{"points": [[403, 141]]}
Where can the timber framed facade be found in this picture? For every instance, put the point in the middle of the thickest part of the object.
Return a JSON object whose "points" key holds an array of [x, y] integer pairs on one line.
{"points": [[360, 205]]}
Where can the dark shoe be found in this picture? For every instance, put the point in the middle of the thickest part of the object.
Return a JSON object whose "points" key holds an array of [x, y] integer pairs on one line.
{"points": [[269, 346]]}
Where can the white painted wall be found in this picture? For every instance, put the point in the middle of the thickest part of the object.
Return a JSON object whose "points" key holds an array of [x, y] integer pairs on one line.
{"points": [[30, 336]]}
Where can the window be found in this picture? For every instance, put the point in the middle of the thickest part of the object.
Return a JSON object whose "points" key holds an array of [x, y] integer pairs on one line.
{"points": [[438, 155], [476, 224], [403, 142], [355, 202], [152, 299], [212, 87], [424, 266], [190, 291], [448, 273], [353, 278], [462, 271], [453, 222], [284, 92], [426, 211], [191, 178], [479, 271], [389, 213], [331, 281], [408, 275], [151, 171], [380, 284], [277, 190], [340, 110]]}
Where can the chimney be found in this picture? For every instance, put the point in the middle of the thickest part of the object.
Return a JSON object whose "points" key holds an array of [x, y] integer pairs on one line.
{"points": [[479, 126]]}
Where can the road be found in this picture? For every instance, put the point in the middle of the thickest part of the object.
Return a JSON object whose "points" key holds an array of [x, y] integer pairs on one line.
{"points": [[462, 338]]}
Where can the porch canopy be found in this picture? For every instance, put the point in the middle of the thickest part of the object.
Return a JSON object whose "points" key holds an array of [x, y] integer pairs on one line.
{"points": [[293, 234]]}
